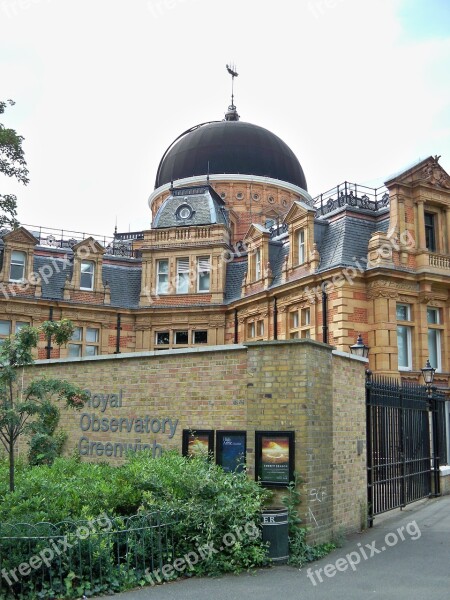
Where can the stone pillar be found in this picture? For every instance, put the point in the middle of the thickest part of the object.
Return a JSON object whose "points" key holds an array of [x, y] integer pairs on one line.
{"points": [[421, 224]]}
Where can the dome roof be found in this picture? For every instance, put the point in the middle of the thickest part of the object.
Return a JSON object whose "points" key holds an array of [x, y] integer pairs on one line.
{"points": [[233, 147]]}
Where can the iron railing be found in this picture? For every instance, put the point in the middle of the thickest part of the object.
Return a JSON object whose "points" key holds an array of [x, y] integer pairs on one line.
{"points": [[404, 443], [121, 244], [353, 195], [73, 558]]}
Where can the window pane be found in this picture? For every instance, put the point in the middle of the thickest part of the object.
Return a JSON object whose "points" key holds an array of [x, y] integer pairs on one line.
{"points": [[77, 334], [434, 349], [203, 283], [260, 328], [91, 335], [203, 270], [17, 272], [91, 351], [181, 337], [183, 283], [163, 284], [162, 337], [5, 327], [17, 267], [403, 346], [200, 337], [74, 350], [301, 246], [293, 320], [403, 312], [306, 317], [163, 266], [18, 258], [87, 275], [294, 335], [433, 316], [258, 264], [20, 324]]}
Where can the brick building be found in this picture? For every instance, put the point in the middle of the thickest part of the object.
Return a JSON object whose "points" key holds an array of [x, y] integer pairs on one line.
{"points": [[239, 251]]}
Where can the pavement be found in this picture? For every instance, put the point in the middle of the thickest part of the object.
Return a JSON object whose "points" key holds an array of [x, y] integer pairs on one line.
{"points": [[404, 556]]}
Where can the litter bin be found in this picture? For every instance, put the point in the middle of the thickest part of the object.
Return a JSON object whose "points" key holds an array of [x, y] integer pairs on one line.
{"points": [[275, 530]]}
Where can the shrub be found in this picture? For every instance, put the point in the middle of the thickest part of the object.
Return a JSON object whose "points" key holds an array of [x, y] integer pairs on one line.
{"points": [[205, 508]]}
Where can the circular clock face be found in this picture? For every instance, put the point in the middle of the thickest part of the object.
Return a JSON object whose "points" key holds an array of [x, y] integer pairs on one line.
{"points": [[185, 212]]}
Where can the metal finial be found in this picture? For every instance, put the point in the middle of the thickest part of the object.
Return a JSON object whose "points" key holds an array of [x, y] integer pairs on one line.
{"points": [[232, 114]]}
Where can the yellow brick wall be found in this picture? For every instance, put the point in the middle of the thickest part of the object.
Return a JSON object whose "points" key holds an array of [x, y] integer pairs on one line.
{"points": [[295, 385]]}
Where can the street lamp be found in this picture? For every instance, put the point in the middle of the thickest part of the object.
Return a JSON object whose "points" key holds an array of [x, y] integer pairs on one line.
{"points": [[428, 374], [360, 349]]}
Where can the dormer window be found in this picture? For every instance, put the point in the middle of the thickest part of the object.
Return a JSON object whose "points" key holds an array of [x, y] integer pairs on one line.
{"points": [[258, 264], [17, 267], [87, 275], [301, 247]]}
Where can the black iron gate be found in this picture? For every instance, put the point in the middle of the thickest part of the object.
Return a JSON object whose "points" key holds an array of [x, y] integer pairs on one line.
{"points": [[402, 444]]}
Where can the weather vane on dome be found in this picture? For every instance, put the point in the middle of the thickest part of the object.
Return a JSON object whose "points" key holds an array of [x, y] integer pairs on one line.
{"points": [[232, 112]]}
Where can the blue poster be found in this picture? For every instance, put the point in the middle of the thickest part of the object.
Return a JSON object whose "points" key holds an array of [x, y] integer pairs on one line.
{"points": [[233, 452]]}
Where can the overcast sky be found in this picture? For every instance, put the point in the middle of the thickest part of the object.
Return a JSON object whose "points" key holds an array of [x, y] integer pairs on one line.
{"points": [[357, 88]]}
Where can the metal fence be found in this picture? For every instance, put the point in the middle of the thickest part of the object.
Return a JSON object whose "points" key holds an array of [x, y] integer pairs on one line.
{"points": [[73, 558], [405, 441]]}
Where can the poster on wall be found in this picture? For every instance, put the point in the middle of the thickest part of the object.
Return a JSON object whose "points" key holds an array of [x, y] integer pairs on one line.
{"points": [[231, 450], [275, 457], [198, 442]]}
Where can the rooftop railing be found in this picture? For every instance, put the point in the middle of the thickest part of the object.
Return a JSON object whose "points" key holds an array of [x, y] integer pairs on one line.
{"points": [[352, 195]]}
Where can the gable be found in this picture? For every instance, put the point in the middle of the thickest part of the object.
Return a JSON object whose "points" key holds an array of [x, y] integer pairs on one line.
{"points": [[20, 236], [428, 172]]}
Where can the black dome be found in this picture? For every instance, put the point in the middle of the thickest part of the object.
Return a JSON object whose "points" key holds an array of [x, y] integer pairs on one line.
{"points": [[233, 147]]}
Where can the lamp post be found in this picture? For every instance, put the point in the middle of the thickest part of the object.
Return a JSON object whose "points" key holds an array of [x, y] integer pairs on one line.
{"points": [[428, 375], [360, 349]]}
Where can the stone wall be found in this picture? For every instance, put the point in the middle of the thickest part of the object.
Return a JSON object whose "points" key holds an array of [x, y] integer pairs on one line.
{"points": [[146, 400]]}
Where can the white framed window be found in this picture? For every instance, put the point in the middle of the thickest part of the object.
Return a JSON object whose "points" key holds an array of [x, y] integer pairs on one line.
{"points": [[293, 320], [162, 338], [301, 246], [434, 338], [255, 329], [200, 337], [203, 274], [87, 275], [17, 266], [181, 337], [258, 264], [404, 337], [162, 276], [84, 342], [182, 275]]}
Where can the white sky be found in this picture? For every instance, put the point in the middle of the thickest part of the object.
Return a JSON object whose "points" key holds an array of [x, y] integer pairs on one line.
{"points": [[357, 88]]}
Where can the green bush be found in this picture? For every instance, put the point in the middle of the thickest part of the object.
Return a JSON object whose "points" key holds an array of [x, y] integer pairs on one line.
{"points": [[205, 508]]}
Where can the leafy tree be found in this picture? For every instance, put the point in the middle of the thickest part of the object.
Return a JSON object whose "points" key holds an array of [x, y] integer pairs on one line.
{"points": [[12, 164], [22, 405]]}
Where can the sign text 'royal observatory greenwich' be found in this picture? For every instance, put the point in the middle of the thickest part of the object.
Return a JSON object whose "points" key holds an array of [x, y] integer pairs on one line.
{"points": [[143, 425]]}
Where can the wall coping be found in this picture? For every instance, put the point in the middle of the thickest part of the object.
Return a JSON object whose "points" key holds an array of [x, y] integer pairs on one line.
{"points": [[287, 342], [146, 354], [445, 470], [351, 356]]}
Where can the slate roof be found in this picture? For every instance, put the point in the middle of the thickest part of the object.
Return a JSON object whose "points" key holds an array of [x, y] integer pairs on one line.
{"points": [[235, 277], [341, 241], [124, 281], [345, 240], [206, 206]]}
